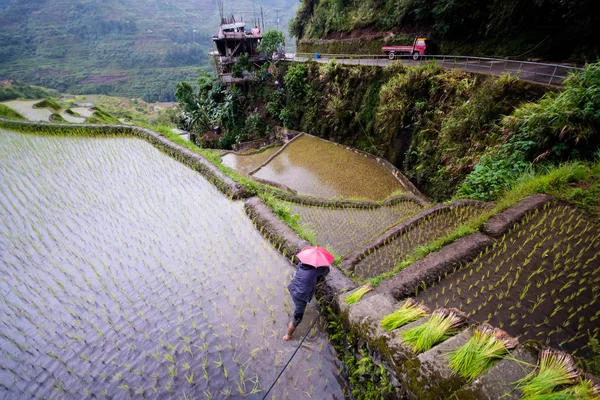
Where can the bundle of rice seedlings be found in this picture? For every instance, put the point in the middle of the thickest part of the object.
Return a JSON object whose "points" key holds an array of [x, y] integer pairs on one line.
{"points": [[584, 390], [442, 324], [555, 368], [358, 294], [481, 352], [409, 312]]}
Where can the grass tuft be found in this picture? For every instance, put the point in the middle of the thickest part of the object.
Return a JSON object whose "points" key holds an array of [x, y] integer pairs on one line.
{"points": [[478, 355], [9, 113], [555, 368], [48, 103], [409, 312], [442, 325], [358, 294]]}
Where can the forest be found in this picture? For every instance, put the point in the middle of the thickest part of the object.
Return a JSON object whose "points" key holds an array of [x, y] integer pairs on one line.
{"points": [[129, 48], [553, 30]]}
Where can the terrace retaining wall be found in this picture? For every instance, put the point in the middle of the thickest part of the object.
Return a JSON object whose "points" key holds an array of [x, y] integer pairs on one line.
{"points": [[318, 202], [415, 376], [287, 242], [354, 258]]}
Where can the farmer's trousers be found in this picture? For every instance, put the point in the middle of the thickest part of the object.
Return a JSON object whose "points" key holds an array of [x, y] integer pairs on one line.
{"points": [[299, 311]]}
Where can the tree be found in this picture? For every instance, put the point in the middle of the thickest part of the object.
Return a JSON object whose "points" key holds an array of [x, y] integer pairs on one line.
{"points": [[271, 41], [185, 97]]}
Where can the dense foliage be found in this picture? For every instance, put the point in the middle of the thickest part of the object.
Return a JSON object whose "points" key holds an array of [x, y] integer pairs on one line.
{"points": [[214, 104], [432, 123], [131, 48], [561, 126], [438, 126], [554, 29], [271, 41]]}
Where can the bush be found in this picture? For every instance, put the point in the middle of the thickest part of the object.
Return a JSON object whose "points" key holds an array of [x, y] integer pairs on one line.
{"points": [[255, 127], [561, 126]]}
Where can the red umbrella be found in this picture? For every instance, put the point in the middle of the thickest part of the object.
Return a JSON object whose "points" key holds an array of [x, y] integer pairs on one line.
{"points": [[315, 256]]}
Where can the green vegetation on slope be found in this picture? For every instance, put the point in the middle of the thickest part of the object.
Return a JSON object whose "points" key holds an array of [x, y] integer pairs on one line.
{"points": [[561, 126], [131, 48], [9, 113], [554, 30], [11, 90], [102, 117], [436, 125], [432, 123], [48, 103]]}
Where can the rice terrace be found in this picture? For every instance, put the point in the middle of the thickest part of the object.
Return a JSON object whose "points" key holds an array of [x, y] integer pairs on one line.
{"points": [[137, 264], [115, 283]]}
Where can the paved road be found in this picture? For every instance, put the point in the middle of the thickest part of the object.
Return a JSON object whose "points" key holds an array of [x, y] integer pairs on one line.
{"points": [[545, 74]]}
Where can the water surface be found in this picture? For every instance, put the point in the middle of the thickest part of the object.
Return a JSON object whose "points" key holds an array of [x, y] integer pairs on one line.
{"points": [[247, 163], [25, 108], [124, 274], [317, 167]]}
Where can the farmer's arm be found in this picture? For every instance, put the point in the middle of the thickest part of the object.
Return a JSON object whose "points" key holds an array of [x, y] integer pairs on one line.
{"points": [[322, 271]]}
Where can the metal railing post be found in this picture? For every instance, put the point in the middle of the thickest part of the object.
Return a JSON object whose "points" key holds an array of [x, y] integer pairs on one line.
{"points": [[552, 77]]}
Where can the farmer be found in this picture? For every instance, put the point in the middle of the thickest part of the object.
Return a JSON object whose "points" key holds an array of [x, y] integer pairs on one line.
{"points": [[314, 262]]}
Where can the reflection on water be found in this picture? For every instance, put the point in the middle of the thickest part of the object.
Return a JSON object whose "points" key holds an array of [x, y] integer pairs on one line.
{"points": [[319, 168], [248, 163], [125, 274], [25, 108]]}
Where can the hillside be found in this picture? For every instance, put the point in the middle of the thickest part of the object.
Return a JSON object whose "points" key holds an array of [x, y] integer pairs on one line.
{"points": [[551, 30], [132, 48]]}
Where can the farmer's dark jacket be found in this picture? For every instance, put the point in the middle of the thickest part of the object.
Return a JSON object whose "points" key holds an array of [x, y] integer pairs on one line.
{"points": [[305, 281]]}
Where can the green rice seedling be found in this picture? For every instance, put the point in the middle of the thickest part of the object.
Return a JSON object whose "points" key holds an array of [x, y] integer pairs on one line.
{"points": [[358, 294], [442, 324], [584, 390], [555, 368], [481, 352], [409, 312]]}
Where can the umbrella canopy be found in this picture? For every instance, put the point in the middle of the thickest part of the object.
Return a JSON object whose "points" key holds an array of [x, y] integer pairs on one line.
{"points": [[315, 256]]}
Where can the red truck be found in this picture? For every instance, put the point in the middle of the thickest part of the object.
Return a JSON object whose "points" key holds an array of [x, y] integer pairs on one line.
{"points": [[418, 49]]}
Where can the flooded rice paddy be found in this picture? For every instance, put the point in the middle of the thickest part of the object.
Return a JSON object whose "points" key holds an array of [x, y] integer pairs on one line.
{"points": [[25, 108], [72, 118], [539, 281], [124, 274], [433, 227], [245, 163], [317, 167], [344, 230]]}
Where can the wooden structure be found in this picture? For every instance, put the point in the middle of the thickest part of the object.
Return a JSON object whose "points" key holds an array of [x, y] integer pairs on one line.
{"points": [[232, 41]]}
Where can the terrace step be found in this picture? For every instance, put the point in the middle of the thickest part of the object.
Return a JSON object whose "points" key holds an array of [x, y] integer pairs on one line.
{"points": [[499, 382], [500, 223], [427, 270], [367, 314], [435, 379]]}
